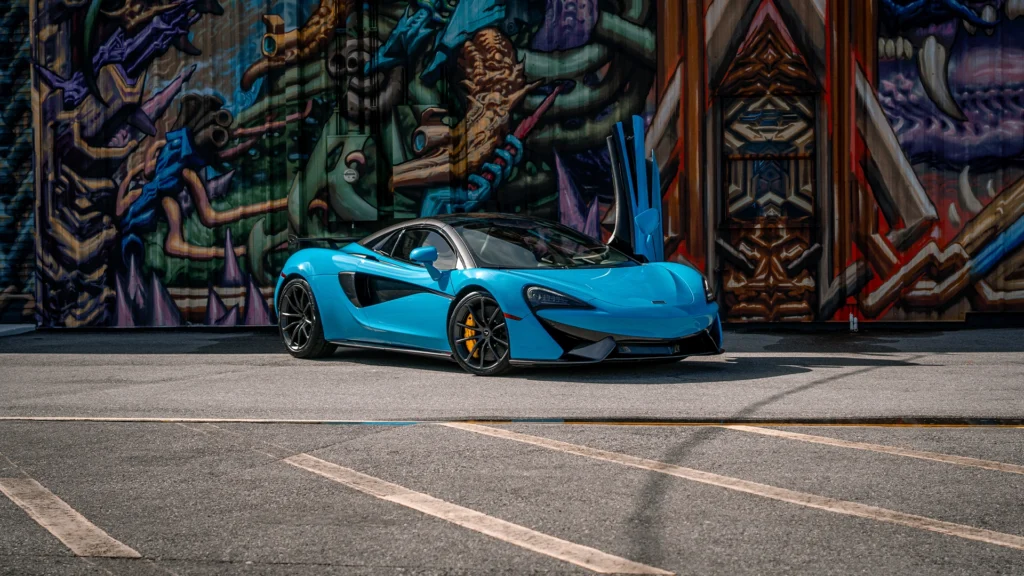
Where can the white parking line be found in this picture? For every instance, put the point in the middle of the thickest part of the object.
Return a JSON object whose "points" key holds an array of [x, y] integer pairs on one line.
{"points": [[757, 489], [76, 532], [583, 556], [920, 454]]}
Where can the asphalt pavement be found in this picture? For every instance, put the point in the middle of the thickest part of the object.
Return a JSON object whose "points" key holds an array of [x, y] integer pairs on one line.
{"points": [[977, 374], [126, 453]]}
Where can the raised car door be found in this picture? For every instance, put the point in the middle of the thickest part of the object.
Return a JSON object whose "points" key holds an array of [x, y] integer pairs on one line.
{"points": [[403, 303]]}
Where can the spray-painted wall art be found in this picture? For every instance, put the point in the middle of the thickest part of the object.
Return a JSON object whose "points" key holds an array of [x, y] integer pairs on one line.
{"points": [[949, 80], [17, 238], [183, 141], [865, 158], [819, 159]]}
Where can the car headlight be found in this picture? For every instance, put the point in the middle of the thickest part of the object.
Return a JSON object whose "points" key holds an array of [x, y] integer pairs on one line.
{"points": [[709, 294], [539, 298]]}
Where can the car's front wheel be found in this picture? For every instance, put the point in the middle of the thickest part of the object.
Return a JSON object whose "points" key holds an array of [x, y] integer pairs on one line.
{"points": [[479, 336], [299, 320]]}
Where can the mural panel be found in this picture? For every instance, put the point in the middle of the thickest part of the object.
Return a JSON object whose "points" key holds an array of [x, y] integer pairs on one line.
{"points": [[767, 119], [184, 141], [909, 206], [17, 238], [819, 159], [949, 82]]}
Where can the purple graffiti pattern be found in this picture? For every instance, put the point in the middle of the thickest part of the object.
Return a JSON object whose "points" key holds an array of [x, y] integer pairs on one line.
{"points": [[130, 55]]}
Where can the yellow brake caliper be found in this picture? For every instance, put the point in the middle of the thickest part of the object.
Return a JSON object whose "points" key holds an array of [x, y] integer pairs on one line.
{"points": [[469, 333]]}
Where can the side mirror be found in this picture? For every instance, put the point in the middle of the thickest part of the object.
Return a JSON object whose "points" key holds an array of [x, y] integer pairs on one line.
{"points": [[424, 255]]}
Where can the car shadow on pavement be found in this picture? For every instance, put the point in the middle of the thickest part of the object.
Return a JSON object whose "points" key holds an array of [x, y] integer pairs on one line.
{"points": [[696, 370], [267, 341]]}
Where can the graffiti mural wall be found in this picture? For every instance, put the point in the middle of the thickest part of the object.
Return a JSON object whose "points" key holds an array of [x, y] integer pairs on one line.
{"points": [[866, 159], [820, 159], [17, 239], [949, 81], [183, 141]]}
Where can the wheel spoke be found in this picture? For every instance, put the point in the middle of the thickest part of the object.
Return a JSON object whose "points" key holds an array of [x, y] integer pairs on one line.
{"points": [[461, 340], [499, 340], [466, 326], [290, 315], [497, 357], [483, 314], [493, 314]]}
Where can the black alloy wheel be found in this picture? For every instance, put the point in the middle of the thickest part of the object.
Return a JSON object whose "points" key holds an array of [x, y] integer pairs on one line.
{"points": [[299, 321], [478, 335]]}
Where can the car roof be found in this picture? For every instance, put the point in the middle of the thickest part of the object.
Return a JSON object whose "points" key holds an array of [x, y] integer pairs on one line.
{"points": [[447, 220], [463, 218]]}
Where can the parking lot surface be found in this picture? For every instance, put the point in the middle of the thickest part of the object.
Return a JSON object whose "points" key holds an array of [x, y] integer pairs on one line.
{"points": [[214, 453]]}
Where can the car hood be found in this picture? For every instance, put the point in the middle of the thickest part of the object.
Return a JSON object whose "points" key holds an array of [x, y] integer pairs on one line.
{"points": [[623, 286]]}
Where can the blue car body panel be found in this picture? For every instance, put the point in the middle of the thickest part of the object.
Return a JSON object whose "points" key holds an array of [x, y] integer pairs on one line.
{"points": [[635, 303]]}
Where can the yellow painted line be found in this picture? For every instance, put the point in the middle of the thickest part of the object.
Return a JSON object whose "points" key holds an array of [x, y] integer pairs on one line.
{"points": [[920, 454], [76, 532], [583, 556], [764, 490]]}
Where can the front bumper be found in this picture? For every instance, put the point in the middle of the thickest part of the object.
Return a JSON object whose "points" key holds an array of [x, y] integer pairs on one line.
{"points": [[580, 343]]}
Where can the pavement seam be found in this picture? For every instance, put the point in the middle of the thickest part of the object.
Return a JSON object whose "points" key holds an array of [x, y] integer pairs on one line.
{"points": [[885, 422]]}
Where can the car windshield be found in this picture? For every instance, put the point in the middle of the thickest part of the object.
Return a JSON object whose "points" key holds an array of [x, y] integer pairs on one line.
{"points": [[516, 243]]}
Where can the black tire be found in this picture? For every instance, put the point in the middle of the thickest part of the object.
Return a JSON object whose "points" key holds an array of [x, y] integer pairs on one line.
{"points": [[478, 335], [298, 319]]}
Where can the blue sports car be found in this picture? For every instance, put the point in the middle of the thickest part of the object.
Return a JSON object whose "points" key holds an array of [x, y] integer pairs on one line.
{"points": [[493, 291]]}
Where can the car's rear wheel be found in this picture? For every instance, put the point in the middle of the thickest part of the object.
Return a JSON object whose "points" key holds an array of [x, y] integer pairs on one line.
{"points": [[299, 320], [478, 335]]}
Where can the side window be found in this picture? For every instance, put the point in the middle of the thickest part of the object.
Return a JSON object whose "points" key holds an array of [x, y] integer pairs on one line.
{"points": [[420, 237], [385, 244]]}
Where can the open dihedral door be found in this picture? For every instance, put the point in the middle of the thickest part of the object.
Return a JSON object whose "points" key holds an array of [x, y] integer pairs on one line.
{"points": [[637, 186]]}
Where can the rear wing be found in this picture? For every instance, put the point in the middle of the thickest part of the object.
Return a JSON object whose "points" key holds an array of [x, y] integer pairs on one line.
{"points": [[335, 243]]}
